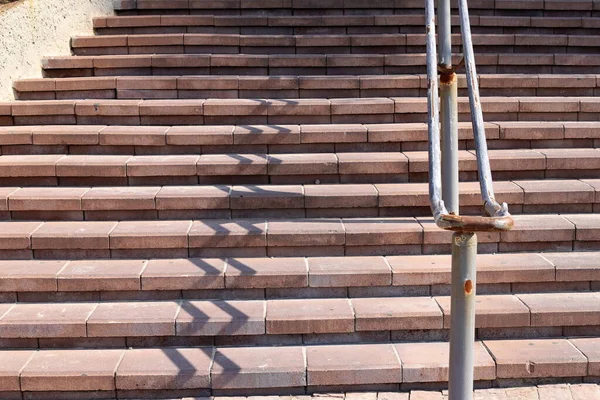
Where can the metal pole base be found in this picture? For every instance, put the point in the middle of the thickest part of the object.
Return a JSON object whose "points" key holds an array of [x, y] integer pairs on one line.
{"points": [[462, 316]]}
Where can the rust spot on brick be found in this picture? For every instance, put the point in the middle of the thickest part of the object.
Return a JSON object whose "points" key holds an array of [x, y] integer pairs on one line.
{"points": [[468, 286]]}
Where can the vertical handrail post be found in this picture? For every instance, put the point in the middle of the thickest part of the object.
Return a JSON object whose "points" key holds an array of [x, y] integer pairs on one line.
{"points": [[448, 109], [443, 186], [462, 316]]}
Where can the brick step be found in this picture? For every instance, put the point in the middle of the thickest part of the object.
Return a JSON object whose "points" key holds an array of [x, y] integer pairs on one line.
{"points": [[295, 369], [316, 168], [260, 278], [214, 43], [373, 110], [278, 139], [243, 322], [306, 64], [335, 24], [283, 237], [284, 201], [283, 87], [350, 7]]}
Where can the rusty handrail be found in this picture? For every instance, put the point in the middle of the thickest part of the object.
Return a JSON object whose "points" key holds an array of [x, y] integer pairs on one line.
{"points": [[498, 218]]}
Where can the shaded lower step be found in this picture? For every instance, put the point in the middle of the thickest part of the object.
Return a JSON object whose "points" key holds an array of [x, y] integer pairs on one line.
{"points": [[331, 7], [374, 43], [133, 373], [317, 168], [540, 314], [262, 201], [309, 64], [292, 237], [331, 24], [251, 87]]}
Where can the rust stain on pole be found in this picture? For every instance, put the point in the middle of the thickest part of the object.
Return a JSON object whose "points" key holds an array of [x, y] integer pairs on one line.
{"points": [[468, 286]]}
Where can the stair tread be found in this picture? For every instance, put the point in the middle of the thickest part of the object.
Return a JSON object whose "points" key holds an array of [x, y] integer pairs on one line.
{"points": [[256, 367], [293, 272], [569, 191], [326, 21], [279, 232], [215, 111], [285, 164], [288, 316], [299, 86], [302, 60], [292, 134]]}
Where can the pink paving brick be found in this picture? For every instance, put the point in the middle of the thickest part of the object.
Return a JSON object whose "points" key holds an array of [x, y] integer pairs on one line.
{"points": [[193, 197], [29, 165], [30, 275], [228, 233], [557, 192], [170, 165], [53, 199], [586, 226], [309, 316], [12, 363], [81, 166], [563, 309], [428, 362], [268, 367], [150, 234], [348, 271], [249, 273], [71, 370], [184, 273], [539, 228], [200, 135], [575, 266], [73, 235], [492, 311], [120, 198], [101, 275], [382, 231], [591, 350], [536, 358], [267, 196], [352, 364], [306, 232], [340, 196], [397, 313], [221, 318], [133, 319], [166, 369], [46, 320]]}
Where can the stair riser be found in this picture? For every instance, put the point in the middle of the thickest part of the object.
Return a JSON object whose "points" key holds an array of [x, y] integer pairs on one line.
{"points": [[183, 120], [149, 215], [278, 71], [147, 94], [338, 30], [135, 149], [382, 336], [298, 179], [277, 50], [403, 9]]}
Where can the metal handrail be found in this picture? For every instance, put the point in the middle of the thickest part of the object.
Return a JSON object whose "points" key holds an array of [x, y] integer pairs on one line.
{"points": [[498, 218], [443, 186]]}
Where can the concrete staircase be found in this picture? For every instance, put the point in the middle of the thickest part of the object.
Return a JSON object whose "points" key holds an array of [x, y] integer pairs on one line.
{"points": [[229, 198]]}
